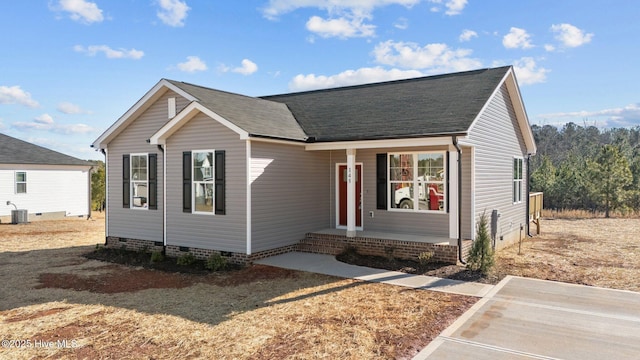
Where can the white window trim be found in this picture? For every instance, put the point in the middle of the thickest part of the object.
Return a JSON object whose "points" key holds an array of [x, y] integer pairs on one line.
{"points": [[16, 182], [416, 182], [132, 182], [515, 181], [194, 182]]}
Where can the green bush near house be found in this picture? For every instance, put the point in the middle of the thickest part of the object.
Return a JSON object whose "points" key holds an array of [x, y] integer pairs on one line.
{"points": [[186, 259], [157, 257], [481, 254], [216, 262]]}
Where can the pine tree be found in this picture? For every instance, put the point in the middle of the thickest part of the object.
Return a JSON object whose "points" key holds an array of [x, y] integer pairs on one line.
{"points": [[610, 175], [481, 253]]}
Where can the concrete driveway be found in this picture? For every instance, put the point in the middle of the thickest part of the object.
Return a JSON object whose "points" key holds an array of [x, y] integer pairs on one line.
{"points": [[535, 319]]}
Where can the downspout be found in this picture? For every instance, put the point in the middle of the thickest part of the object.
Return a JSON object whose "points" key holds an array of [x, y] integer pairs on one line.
{"points": [[455, 143], [164, 198], [527, 194]]}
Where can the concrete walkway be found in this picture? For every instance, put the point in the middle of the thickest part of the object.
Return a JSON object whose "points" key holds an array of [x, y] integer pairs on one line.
{"points": [[536, 319], [328, 265]]}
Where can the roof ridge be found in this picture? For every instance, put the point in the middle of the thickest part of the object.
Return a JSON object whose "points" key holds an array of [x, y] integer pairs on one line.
{"points": [[386, 82]]}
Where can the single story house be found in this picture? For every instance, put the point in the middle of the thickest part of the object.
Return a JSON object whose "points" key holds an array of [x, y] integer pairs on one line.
{"points": [[46, 183], [396, 167]]}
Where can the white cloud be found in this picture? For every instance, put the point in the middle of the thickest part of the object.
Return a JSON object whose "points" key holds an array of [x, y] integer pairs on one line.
{"points": [[69, 108], [401, 23], [528, 72], [45, 122], [275, 8], [248, 67], [628, 115], [349, 77], [570, 36], [346, 18], [173, 12], [342, 27], [15, 95], [80, 10], [193, 64], [110, 53], [549, 47], [467, 35], [45, 119], [454, 7], [517, 38], [437, 58]]}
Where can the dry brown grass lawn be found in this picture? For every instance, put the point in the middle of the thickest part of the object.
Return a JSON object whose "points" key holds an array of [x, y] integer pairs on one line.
{"points": [[598, 252], [256, 313]]}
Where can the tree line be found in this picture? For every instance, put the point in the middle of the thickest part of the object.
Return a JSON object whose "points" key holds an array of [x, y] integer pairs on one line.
{"points": [[584, 167]]}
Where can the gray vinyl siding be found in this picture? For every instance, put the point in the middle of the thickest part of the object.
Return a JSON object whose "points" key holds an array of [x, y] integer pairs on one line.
{"points": [[137, 223], [497, 139], [427, 224], [219, 232], [288, 194]]}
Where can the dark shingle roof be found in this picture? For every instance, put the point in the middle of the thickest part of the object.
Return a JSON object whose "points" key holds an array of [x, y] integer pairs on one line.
{"points": [[15, 151], [433, 105], [256, 116]]}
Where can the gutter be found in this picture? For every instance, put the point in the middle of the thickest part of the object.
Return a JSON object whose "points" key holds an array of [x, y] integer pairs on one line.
{"points": [[457, 145]]}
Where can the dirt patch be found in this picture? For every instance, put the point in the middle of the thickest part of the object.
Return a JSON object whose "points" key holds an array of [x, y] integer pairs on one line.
{"points": [[123, 279]]}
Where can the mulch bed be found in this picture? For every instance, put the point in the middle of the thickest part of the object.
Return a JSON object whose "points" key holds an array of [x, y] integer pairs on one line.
{"points": [[143, 259], [431, 268]]}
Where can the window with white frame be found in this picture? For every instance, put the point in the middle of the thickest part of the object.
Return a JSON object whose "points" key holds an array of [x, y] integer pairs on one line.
{"points": [[417, 181], [21, 182], [203, 181], [139, 181], [517, 180]]}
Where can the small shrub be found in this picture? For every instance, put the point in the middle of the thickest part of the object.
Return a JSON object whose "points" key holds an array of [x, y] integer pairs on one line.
{"points": [[186, 259], [99, 247], [481, 254], [425, 258], [157, 257], [144, 249], [388, 251], [216, 262]]}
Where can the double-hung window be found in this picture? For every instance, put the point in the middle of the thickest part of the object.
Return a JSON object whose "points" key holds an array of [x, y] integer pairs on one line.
{"points": [[517, 180], [21, 182], [139, 181], [203, 181], [417, 181]]}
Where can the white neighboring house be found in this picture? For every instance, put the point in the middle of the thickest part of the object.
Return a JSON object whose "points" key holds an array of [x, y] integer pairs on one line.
{"points": [[46, 183]]}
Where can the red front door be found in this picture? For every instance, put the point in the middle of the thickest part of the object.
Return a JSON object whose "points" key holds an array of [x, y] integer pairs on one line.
{"points": [[342, 195]]}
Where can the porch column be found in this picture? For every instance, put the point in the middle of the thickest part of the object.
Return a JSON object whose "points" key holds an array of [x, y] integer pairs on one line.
{"points": [[351, 192], [453, 196]]}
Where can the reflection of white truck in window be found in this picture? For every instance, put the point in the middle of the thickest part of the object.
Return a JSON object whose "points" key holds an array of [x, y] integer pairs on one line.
{"points": [[429, 199]]}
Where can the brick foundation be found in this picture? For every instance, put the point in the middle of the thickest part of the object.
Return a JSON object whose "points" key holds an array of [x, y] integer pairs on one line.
{"points": [[313, 243], [202, 254], [335, 244]]}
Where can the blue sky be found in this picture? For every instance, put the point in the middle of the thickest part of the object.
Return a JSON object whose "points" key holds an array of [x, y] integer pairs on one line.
{"points": [[70, 68]]}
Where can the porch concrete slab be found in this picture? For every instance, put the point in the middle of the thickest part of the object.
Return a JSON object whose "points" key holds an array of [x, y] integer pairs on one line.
{"points": [[537, 319], [328, 265]]}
